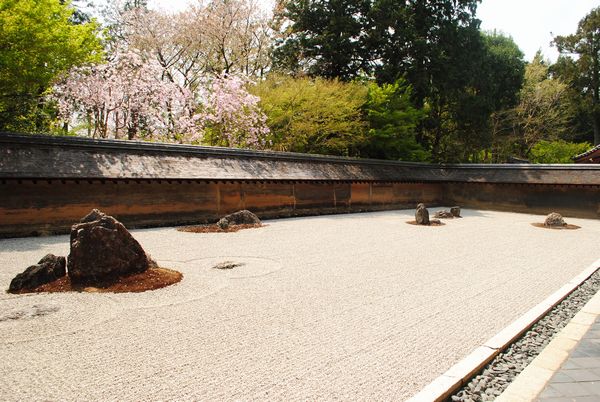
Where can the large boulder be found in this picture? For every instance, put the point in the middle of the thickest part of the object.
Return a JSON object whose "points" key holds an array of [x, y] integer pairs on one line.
{"points": [[455, 211], [48, 269], [243, 217], [554, 219], [422, 215], [102, 250]]}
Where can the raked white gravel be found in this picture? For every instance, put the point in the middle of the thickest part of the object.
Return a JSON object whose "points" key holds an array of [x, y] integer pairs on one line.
{"points": [[351, 307]]}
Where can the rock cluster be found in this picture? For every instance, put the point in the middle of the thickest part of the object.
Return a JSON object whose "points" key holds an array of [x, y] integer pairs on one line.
{"points": [[554, 219], [102, 251], [48, 269], [422, 215], [243, 217]]}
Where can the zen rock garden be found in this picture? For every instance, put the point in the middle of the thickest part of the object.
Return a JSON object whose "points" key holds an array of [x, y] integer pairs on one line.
{"points": [[319, 289], [554, 220], [103, 255], [422, 216]]}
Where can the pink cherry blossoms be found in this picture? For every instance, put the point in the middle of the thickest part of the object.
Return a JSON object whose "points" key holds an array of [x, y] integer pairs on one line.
{"points": [[232, 115], [128, 98]]}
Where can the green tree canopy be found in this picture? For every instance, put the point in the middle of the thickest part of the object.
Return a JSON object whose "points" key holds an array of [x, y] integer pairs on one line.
{"points": [[392, 123], [313, 115], [546, 112], [457, 74], [326, 37], [585, 44], [429, 43], [38, 42], [345, 39], [487, 79]]}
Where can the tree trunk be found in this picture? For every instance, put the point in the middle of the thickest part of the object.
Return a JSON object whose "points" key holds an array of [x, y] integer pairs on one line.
{"points": [[116, 125], [595, 41], [133, 126], [596, 118]]}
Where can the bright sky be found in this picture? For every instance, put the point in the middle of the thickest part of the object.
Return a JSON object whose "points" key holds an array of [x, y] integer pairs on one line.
{"points": [[531, 23]]}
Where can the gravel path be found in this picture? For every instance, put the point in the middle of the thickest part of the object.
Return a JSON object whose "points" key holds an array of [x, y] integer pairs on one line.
{"points": [[350, 307]]}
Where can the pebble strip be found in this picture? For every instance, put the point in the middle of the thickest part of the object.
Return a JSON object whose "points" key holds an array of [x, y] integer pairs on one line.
{"points": [[489, 383]]}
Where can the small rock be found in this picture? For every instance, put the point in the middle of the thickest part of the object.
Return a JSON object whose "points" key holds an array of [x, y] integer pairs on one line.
{"points": [[443, 215], [151, 262], [243, 217], [422, 215], [455, 211], [48, 269], [554, 219]]}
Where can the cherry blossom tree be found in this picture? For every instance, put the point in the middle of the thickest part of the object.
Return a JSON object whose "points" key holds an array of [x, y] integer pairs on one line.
{"points": [[232, 116], [127, 97], [171, 40], [218, 37], [237, 35], [177, 77]]}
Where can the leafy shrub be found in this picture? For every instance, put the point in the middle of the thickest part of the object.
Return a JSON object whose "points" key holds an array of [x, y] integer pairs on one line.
{"points": [[337, 118], [557, 151], [313, 115]]}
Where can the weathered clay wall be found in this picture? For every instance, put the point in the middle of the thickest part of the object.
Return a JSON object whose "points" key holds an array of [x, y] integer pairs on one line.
{"points": [[581, 201], [34, 207], [48, 183]]}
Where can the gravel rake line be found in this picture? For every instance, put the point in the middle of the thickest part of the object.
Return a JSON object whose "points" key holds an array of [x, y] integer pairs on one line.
{"points": [[497, 375]]}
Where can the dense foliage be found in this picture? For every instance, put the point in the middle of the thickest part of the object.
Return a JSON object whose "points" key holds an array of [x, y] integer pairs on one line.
{"points": [[557, 151], [411, 80], [38, 42], [318, 115], [392, 122], [313, 115], [583, 71]]}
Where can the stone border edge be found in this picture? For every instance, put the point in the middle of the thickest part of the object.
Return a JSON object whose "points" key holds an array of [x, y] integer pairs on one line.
{"points": [[446, 384], [533, 379]]}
